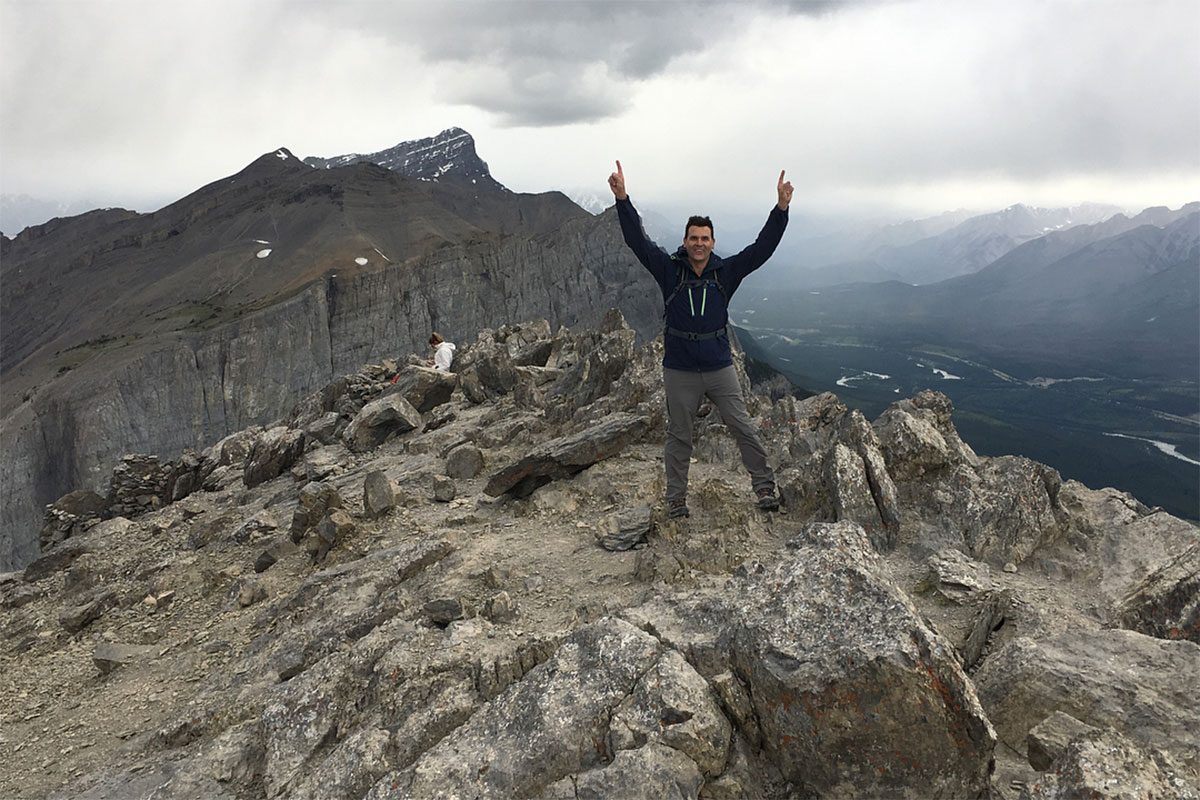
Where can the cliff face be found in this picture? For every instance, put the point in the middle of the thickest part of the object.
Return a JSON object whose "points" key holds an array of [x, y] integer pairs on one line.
{"points": [[187, 389]]}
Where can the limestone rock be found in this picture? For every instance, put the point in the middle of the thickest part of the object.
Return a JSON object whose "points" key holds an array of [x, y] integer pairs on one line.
{"points": [[109, 656], [1001, 512], [565, 456], [379, 496], [325, 428], [1049, 740], [464, 461], [380, 420], [424, 388], [1167, 603], [557, 722], [444, 489], [918, 437], [957, 576], [826, 628], [626, 530], [500, 608], [247, 591], [990, 615], [281, 548], [1147, 689], [1105, 765], [314, 499], [76, 618], [56, 559], [334, 528], [273, 454], [443, 611], [651, 771]]}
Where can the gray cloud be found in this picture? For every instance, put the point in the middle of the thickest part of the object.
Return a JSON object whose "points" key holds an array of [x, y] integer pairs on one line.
{"points": [[553, 63], [121, 100]]}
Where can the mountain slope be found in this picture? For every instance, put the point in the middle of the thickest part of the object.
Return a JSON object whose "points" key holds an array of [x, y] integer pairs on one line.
{"points": [[251, 289]]}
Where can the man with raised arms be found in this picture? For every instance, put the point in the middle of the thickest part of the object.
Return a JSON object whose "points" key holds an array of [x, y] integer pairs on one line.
{"points": [[696, 286]]}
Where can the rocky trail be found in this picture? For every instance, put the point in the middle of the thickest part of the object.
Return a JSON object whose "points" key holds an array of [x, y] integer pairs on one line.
{"points": [[465, 585]]}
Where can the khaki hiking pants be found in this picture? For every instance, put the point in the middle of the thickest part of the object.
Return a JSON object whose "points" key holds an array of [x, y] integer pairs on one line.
{"points": [[684, 391]]}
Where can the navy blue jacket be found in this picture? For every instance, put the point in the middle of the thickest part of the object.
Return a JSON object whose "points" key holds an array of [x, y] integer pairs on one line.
{"points": [[698, 309]]}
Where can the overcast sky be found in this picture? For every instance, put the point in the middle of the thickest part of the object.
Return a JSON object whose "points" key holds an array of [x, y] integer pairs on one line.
{"points": [[914, 105]]}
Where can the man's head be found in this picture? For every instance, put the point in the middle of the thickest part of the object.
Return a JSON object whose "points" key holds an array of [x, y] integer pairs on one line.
{"points": [[698, 239], [435, 339]]}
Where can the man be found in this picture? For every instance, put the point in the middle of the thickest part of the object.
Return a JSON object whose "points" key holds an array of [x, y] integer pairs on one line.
{"points": [[696, 286]]}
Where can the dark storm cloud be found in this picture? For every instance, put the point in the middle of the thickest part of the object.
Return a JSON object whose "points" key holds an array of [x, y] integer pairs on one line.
{"points": [[553, 63]]}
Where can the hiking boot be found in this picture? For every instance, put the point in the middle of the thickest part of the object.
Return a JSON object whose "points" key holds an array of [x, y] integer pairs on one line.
{"points": [[767, 501], [677, 507]]}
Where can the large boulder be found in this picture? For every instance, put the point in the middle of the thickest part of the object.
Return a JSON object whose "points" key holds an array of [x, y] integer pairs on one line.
{"points": [[1000, 512], [918, 437], [273, 454], [1146, 688], [853, 694], [424, 388], [380, 420]]}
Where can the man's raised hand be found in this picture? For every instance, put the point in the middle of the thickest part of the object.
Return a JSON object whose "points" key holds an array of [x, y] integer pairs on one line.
{"points": [[616, 182], [784, 188]]}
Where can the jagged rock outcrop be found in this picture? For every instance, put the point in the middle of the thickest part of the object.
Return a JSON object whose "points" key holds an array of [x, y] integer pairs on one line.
{"points": [[341, 630]]}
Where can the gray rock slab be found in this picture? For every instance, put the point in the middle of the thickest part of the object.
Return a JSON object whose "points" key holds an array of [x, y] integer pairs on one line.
{"points": [[565, 456], [108, 656], [1108, 766], [380, 420], [379, 496], [1048, 741], [76, 618], [1166, 604], [556, 722], [626, 530], [273, 454], [425, 389], [1145, 688]]}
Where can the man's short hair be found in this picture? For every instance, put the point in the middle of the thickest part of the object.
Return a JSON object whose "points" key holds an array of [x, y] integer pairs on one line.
{"points": [[696, 221], [436, 338]]}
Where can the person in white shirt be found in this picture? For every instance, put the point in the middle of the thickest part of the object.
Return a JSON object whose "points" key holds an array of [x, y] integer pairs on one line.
{"points": [[443, 352]]}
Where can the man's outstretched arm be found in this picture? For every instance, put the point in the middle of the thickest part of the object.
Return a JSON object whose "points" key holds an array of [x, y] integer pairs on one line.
{"points": [[651, 256]]}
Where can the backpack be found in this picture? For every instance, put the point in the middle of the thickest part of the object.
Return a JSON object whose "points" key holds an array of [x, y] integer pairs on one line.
{"points": [[691, 283]]}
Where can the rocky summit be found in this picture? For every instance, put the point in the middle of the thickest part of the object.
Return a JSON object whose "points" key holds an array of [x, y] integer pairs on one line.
{"points": [[466, 585]]}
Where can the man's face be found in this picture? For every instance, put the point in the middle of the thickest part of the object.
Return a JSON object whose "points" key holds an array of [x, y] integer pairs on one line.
{"points": [[699, 243]]}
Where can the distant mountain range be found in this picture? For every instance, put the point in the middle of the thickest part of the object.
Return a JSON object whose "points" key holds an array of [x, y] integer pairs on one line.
{"points": [[19, 211], [1119, 296], [925, 250]]}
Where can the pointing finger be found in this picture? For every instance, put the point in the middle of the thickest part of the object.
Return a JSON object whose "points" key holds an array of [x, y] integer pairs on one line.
{"points": [[781, 176], [619, 172]]}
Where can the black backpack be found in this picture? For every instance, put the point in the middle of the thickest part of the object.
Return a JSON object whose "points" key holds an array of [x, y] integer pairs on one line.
{"points": [[690, 283]]}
